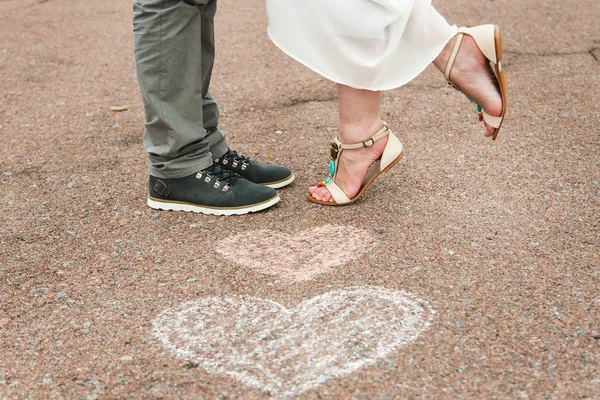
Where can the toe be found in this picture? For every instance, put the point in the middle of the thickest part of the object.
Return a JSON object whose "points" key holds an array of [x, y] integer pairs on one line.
{"points": [[321, 194], [316, 193]]}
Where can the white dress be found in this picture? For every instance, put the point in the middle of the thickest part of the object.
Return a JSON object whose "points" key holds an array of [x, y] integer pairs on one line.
{"points": [[365, 44]]}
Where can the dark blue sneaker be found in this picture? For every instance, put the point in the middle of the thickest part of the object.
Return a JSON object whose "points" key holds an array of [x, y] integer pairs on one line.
{"points": [[272, 176], [211, 191]]}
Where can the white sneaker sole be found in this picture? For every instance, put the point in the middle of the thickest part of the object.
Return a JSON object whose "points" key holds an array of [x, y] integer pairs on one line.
{"points": [[280, 184], [188, 207]]}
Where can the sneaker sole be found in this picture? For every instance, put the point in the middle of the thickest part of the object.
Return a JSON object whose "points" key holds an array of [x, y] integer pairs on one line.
{"points": [[166, 205], [281, 183]]}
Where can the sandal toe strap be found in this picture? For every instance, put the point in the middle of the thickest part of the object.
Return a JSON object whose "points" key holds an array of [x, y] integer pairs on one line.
{"points": [[338, 194], [492, 121]]}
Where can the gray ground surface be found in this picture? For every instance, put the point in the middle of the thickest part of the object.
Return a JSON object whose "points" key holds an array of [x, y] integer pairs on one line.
{"points": [[501, 239]]}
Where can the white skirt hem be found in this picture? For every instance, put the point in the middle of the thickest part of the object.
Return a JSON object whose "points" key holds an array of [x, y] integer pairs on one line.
{"points": [[382, 87]]}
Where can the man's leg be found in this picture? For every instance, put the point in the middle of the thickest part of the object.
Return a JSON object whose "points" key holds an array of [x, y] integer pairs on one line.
{"points": [[217, 143], [210, 110], [174, 53], [174, 73]]}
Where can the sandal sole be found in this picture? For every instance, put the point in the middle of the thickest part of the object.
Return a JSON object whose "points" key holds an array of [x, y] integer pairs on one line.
{"points": [[500, 77]]}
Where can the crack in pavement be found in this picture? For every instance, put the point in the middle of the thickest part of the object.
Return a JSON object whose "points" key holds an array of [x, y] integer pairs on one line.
{"points": [[591, 52], [297, 102], [283, 105]]}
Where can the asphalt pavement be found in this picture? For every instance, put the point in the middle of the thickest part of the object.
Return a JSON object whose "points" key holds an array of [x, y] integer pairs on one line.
{"points": [[470, 270]]}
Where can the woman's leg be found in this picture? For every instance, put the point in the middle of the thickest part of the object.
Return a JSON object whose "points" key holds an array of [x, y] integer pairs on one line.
{"points": [[359, 113], [359, 120], [472, 74]]}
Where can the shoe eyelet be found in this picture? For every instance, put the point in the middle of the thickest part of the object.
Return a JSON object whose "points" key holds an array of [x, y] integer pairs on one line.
{"points": [[207, 179], [199, 175], [224, 161], [235, 163], [225, 188], [217, 184]]}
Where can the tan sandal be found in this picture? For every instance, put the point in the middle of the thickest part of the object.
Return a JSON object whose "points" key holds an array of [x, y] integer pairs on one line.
{"points": [[392, 153], [489, 40]]}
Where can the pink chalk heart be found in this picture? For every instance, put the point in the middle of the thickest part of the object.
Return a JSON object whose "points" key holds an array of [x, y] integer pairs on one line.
{"points": [[287, 351], [300, 256]]}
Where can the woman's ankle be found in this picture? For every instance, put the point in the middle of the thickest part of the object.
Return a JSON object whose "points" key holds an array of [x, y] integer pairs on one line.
{"points": [[360, 131]]}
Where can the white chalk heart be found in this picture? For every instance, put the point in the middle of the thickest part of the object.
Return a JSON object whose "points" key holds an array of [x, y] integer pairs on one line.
{"points": [[289, 351], [300, 256]]}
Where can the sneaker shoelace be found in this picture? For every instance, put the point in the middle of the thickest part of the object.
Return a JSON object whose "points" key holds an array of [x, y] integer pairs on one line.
{"points": [[235, 159], [224, 178]]}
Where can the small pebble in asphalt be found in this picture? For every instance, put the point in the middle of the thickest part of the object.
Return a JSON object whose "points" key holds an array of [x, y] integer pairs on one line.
{"points": [[60, 295]]}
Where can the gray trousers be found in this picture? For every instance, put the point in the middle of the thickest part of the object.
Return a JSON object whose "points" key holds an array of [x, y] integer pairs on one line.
{"points": [[174, 53]]}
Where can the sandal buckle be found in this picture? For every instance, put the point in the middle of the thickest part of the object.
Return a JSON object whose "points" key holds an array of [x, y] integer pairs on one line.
{"points": [[372, 142], [453, 86]]}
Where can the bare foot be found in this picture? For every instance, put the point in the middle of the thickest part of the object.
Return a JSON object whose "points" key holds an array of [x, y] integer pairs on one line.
{"points": [[473, 75], [352, 169]]}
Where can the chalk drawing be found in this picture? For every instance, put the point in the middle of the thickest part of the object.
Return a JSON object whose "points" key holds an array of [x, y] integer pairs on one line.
{"points": [[297, 257], [288, 351]]}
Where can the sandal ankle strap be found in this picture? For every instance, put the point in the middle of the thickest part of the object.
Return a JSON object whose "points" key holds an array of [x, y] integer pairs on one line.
{"points": [[450, 63], [459, 38], [337, 146]]}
